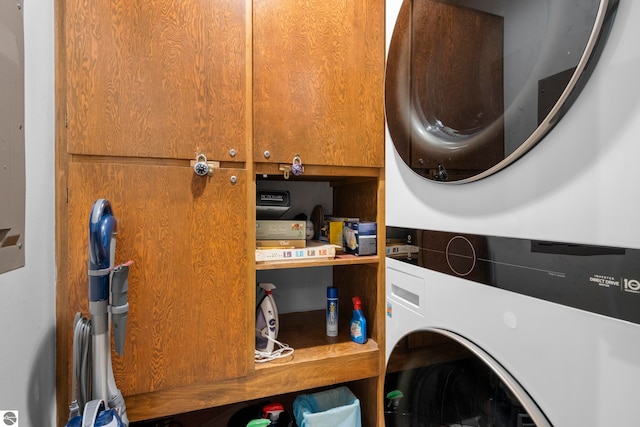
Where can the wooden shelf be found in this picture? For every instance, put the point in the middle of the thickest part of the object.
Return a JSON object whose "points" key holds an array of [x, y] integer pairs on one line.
{"points": [[320, 262], [332, 365], [306, 333], [318, 172], [317, 361]]}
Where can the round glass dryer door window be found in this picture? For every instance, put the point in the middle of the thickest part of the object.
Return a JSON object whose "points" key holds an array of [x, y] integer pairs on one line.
{"points": [[472, 85], [437, 378]]}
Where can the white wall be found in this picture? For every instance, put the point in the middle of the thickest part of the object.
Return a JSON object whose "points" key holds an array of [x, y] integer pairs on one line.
{"points": [[27, 295]]}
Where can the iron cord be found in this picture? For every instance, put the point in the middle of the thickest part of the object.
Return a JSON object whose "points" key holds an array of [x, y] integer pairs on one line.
{"points": [[283, 350]]}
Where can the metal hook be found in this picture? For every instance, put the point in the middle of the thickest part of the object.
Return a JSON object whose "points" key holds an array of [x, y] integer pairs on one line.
{"points": [[286, 169]]}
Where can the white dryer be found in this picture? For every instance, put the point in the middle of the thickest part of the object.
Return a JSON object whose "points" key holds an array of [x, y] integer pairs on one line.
{"points": [[513, 297]]}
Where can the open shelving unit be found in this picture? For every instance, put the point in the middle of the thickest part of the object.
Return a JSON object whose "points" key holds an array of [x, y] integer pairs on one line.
{"points": [[320, 361]]}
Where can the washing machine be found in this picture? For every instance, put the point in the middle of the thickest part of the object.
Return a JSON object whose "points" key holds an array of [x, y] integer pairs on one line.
{"points": [[512, 284]]}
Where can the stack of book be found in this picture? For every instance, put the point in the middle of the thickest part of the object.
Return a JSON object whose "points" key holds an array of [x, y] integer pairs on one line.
{"points": [[284, 240], [312, 250], [280, 233]]}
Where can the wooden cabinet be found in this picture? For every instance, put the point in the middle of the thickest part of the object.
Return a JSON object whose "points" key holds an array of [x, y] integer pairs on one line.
{"points": [[187, 290], [160, 79], [317, 77], [141, 89]]}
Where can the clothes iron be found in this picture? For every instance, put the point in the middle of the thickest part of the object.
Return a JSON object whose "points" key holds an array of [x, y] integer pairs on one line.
{"points": [[267, 324]]}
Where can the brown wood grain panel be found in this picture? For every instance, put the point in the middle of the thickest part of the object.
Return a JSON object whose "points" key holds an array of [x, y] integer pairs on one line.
{"points": [[357, 199], [318, 81], [318, 367], [63, 321], [317, 172], [156, 79], [363, 199], [343, 259], [360, 281], [187, 290], [369, 392]]}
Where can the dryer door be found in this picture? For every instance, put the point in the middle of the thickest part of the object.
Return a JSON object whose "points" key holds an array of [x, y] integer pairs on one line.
{"points": [[438, 378], [472, 85]]}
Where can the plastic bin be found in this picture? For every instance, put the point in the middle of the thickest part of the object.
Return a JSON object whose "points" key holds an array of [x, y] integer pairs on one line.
{"points": [[337, 407]]}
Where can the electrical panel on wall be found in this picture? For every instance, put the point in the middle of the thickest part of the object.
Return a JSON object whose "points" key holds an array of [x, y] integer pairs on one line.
{"points": [[12, 150]]}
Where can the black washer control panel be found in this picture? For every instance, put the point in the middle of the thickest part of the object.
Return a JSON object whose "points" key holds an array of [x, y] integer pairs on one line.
{"points": [[599, 279]]}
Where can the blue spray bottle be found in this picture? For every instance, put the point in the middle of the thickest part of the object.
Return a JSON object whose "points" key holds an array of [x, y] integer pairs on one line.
{"points": [[332, 311], [358, 323]]}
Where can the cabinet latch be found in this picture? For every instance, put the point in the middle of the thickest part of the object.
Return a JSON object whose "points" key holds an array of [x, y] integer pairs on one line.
{"points": [[295, 167], [202, 167]]}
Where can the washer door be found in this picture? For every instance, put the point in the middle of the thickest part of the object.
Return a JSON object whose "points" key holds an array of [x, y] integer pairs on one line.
{"points": [[436, 378], [471, 85]]}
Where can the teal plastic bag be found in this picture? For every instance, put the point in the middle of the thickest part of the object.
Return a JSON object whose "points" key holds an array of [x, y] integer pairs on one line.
{"points": [[337, 407]]}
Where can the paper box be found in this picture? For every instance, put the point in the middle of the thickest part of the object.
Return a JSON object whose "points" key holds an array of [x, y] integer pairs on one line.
{"points": [[360, 238]]}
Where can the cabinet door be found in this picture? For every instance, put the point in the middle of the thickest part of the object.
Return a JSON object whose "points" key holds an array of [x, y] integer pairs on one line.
{"points": [[318, 81], [156, 79], [186, 236]]}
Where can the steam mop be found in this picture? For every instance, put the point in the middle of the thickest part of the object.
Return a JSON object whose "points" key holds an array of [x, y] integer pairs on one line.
{"points": [[102, 405]]}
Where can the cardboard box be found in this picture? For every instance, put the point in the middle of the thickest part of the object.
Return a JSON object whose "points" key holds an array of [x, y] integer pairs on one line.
{"points": [[280, 229], [332, 232], [360, 238]]}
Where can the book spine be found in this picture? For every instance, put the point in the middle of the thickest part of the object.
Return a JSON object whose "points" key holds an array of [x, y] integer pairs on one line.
{"points": [[327, 251], [281, 243]]}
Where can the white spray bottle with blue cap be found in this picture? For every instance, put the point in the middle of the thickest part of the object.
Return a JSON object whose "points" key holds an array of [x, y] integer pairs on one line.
{"points": [[267, 323]]}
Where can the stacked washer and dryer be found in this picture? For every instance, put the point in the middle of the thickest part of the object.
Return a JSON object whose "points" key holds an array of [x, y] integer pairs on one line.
{"points": [[513, 293]]}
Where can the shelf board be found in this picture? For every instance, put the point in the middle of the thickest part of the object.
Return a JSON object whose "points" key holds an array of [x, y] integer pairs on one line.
{"points": [[306, 333], [317, 172], [337, 364], [318, 262], [318, 361]]}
